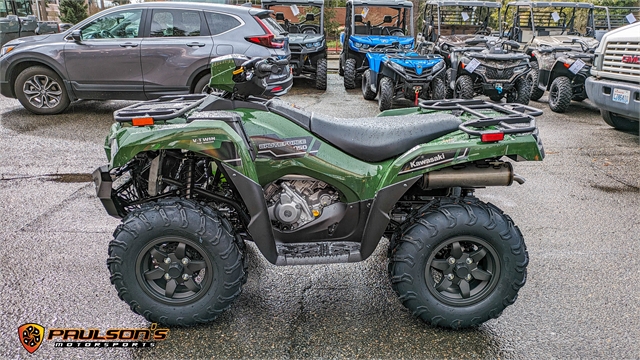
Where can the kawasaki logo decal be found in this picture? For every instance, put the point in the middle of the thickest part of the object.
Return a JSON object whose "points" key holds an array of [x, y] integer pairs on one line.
{"points": [[429, 160]]}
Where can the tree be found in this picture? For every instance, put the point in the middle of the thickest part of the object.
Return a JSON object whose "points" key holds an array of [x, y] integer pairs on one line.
{"points": [[73, 11]]}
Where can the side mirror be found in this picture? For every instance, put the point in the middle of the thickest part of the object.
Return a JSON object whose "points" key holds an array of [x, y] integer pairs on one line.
{"points": [[280, 16], [310, 17], [387, 19], [76, 35], [357, 18]]}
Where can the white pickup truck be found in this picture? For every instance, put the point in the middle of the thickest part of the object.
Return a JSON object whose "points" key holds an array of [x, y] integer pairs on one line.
{"points": [[615, 84]]}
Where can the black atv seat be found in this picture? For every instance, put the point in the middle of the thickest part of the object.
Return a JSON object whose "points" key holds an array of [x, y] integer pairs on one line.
{"points": [[370, 139], [380, 138]]}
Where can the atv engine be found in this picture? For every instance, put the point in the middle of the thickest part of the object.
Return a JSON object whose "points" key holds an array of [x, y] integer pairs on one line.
{"points": [[294, 201]]}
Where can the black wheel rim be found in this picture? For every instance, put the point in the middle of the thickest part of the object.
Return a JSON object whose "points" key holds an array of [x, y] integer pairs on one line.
{"points": [[462, 271], [174, 270], [42, 91]]}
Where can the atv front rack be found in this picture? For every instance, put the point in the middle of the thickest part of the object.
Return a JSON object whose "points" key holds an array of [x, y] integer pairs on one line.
{"points": [[515, 119], [164, 108]]}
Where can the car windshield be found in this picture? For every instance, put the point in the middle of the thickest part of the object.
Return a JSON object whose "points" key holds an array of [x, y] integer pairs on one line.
{"points": [[297, 18], [382, 20]]}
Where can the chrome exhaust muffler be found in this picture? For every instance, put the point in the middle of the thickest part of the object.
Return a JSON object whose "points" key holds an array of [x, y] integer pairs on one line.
{"points": [[471, 176]]}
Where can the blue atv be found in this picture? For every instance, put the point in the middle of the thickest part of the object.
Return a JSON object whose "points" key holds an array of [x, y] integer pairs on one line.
{"points": [[369, 25], [407, 74]]}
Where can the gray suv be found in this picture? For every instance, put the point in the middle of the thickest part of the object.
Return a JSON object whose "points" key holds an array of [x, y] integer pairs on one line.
{"points": [[137, 52]]}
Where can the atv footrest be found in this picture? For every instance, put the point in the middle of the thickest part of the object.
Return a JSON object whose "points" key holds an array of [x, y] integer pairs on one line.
{"points": [[318, 253]]}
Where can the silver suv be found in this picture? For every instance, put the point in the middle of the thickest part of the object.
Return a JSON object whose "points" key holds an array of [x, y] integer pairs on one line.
{"points": [[137, 52]]}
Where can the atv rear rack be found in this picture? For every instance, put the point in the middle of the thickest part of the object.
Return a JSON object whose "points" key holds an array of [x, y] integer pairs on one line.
{"points": [[514, 115], [164, 108]]}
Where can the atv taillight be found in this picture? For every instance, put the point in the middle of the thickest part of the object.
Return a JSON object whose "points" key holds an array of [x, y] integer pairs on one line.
{"points": [[267, 40], [142, 121], [492, 137], [567, 65], [276, 89]]}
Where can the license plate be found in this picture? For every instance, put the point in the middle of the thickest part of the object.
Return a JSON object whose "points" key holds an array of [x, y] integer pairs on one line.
{"points": [[621, 96]]}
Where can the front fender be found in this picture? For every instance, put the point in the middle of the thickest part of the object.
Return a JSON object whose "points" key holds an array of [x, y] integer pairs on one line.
{"points": [[213, 138]]}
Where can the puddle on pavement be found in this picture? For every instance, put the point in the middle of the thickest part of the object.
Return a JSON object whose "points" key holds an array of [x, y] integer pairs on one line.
{"points": [[70, 178]]}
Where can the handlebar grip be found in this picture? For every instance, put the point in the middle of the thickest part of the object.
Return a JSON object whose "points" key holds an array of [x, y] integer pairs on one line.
{"points": [[282, 62], [265, 67]]}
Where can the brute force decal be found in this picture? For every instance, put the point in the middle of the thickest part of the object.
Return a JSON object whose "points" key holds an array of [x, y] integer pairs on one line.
{"points": [[273, 147], [429, 160]]}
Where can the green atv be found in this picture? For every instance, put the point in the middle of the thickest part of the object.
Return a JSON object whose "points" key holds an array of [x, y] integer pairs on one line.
{"points": [[193, 177]]}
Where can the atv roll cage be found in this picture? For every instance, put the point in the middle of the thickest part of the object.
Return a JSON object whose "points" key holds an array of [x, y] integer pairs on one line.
{"points": [[531, 19], [361, 22], [460, 18], [612, 17], [311, 22]]}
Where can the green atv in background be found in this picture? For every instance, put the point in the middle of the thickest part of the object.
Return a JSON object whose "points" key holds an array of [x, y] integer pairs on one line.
{"points": [[193, 177]]}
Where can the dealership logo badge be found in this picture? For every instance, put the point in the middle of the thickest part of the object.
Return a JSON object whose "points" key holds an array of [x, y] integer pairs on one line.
{"points": [[31, 336]]}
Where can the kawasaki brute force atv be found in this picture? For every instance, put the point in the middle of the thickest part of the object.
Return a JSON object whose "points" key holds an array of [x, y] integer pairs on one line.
{"points": [[193, 177], [373, 25], [394, 72], [561, 52], [306, 38], [466, 34]]}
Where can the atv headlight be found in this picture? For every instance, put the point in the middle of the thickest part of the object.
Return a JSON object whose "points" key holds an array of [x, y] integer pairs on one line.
{"points": [[520, 68], [438, 66], [361, 45], [397, 67], [317, 44], [408, 46]]}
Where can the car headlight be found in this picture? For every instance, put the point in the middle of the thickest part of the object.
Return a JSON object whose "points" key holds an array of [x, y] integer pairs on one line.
{"points": [[6, 49], [438, 66], [396, 66]]}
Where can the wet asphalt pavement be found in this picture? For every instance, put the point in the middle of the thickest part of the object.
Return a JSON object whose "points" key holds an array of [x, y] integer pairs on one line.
{"points": [[579, 212]]}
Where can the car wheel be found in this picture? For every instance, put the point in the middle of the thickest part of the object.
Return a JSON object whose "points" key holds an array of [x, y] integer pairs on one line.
{"points": [[619, 122], [41, 91], [202, 87]]}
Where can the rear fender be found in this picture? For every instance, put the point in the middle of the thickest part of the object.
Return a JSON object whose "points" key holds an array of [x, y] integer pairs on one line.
{"points": [[457, 148], [213, 138]]}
